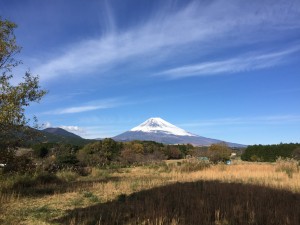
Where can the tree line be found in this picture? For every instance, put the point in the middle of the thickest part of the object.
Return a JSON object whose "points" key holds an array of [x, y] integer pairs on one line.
{"points": [[269, 153]]}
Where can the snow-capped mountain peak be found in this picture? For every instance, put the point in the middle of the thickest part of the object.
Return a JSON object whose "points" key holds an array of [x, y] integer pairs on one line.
{"points": [[161, 131], [157, 125]]}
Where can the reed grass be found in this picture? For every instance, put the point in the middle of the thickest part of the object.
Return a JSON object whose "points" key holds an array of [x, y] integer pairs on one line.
{"points": [[104, 186]]}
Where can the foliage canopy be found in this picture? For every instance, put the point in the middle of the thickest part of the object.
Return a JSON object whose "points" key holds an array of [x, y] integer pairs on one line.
{"points": [[13, 98]]}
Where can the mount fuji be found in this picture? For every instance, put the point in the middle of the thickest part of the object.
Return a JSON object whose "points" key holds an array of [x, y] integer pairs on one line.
{"points": [[159, 130]]}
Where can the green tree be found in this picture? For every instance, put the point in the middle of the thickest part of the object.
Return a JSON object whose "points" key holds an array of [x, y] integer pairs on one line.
{"points": [[270, 153], [110, 148], [296, 153], [100, 153], [173, 152], [14, 98], [219, 152], [8, 46], [41, 151], [91, 155]]}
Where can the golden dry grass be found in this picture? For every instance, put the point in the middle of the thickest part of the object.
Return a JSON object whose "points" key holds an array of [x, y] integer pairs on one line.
{"points": [[18, 209]]}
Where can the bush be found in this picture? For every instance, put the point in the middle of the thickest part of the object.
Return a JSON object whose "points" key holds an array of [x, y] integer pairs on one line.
{"points": [[99, 153], [23, 181], [289, 166], [67, 159], [47, 178], [67, 175], [41, 151], [192, 165], [92, 197], [173, 152], [99, 173], [219, 152], [296, 154], [20, 164]]}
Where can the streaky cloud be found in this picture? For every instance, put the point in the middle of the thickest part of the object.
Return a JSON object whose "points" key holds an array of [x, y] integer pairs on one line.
{"points": [[75, 129], [95, 105], [237, 64], [206, 26]]}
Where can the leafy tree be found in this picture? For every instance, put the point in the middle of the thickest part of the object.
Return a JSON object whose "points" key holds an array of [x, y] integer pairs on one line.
{"points": [[8, 46], [129, 155], [110, 148], [219, 152], [173, 152], [13, 98], [137, 148], [41, 151], [296, 153], [100, 153], [186, 149], [90, 154], [269, 153]]}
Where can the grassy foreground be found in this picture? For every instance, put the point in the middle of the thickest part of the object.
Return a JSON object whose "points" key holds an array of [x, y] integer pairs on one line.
{"points": [[175, 192]]}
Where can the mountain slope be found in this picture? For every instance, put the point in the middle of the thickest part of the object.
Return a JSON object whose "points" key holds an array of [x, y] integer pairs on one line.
{"points": [[159, 130], [52, 135], [158, 125], [61, 132]]}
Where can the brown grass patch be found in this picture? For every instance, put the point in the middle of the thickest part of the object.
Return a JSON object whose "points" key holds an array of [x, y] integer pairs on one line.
{"points": [[202, 202], [17, 206]]}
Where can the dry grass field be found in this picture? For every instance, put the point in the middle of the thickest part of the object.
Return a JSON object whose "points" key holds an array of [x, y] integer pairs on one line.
{"points": [[104, 196]]}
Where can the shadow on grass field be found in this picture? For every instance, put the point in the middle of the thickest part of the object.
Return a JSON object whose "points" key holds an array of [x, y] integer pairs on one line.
{"points": [[202, 202], [49, 184]]}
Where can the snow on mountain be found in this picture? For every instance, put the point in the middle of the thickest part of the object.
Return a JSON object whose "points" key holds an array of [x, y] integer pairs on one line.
{"points": [[158, 125], [159, 130]]}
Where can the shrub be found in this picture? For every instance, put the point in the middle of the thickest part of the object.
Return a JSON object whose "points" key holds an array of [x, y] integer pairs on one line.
{"points": [[89, 195], [41, 152], [99, 173], [173, 152], [21, 182], [21, 164], [219, 152], [296, 154], [67, 175], [192, 165], [289, 166], [165, 168], [67, 159], [47, 178], [130, 156]]}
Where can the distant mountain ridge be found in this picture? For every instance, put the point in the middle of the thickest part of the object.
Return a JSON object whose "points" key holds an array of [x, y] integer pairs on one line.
{"points": [[60, 131], [58, 135], [153, 129], [159, 130]]}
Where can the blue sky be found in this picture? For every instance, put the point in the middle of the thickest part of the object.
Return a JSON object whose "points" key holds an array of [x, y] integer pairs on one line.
{"points": [[220, 69]]}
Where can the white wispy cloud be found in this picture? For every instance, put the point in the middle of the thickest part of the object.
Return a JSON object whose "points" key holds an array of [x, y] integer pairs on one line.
{"points": [[95, 105], [206, 26], [74, 129], [234, 65], [46, 125]]}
